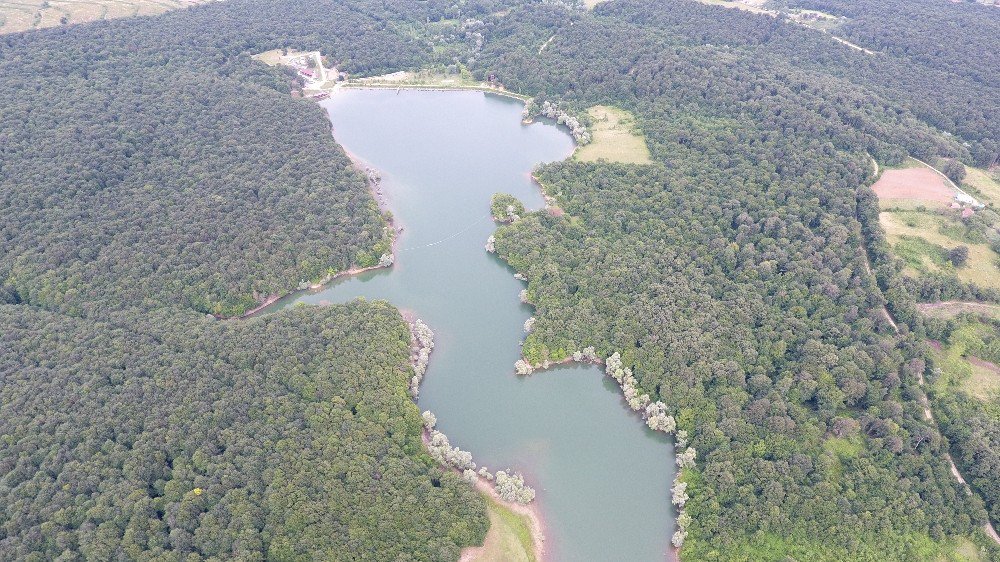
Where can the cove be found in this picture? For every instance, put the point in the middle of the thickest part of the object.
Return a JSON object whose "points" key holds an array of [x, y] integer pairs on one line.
{"points": [[602, 477]]}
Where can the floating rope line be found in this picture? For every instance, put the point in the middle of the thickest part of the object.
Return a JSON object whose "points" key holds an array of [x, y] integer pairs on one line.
{"points": [[443, 240]]}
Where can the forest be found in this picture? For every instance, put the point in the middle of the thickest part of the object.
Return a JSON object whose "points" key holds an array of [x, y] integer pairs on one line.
{"points": [[732, 277], [154, 179], [183, 437]]}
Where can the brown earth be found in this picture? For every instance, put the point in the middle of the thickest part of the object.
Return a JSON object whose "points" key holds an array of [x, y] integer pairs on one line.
{"points": [[915, 184]]}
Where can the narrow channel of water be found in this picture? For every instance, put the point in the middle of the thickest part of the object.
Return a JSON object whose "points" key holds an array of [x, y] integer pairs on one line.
{"points": [[602, 477]]}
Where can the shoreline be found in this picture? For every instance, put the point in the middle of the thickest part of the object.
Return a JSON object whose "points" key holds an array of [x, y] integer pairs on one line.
{"points": [[391, 223], [433, 87], [530, 512], [551, 205]]}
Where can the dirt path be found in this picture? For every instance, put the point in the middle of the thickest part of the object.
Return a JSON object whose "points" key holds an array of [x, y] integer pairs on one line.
{"points": [[947, 179], [885, 311], [545, 44], [928, 414]]}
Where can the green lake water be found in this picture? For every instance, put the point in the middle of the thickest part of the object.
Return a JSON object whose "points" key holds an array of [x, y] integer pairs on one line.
{"points": [[603, 479]]}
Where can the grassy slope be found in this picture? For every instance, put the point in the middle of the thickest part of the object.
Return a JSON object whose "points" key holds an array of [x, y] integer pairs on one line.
{"points": [[923, 238], [509, 537], [24, 15]]}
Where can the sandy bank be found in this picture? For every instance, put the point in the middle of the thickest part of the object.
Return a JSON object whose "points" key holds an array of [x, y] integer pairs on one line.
{"points": [[529, 512]]}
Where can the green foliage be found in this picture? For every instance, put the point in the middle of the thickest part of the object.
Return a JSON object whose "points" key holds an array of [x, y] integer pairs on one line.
{"points": [[504, 207], [149, 172], [914, 249], [148, 163], [731, 276], [173, 435], [973, 428]]}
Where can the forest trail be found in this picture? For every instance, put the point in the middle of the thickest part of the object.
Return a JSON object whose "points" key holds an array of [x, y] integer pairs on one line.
{"points": [[988, 526], [546, 44]]}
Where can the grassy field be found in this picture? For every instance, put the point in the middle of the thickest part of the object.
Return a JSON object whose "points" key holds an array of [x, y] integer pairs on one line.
{"points": [[509, 537], [22, 15], [983, 184], [615, 138], [270, 58], [754, 6], [965, 550], [922, 239], [816, 19], [960, 370]]}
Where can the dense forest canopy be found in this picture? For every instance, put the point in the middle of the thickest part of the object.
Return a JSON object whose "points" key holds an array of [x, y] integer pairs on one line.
{"points": [[282, 437], [151, 172]]}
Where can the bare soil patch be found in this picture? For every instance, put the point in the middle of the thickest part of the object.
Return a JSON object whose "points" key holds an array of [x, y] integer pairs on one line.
{"points": [[920, 185]]}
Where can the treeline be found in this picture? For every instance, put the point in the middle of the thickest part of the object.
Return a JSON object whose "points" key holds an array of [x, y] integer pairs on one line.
{"points": [[288, 437]]}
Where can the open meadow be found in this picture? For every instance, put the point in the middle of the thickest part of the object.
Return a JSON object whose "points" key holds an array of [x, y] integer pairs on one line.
{"points": [[615, 138], [24, 15]]}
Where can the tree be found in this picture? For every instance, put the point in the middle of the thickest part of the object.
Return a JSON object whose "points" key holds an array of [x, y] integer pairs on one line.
{"points": [[954, 169], [958, 255]]}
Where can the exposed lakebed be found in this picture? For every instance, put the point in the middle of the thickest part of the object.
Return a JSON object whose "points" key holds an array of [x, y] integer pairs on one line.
{"points": [[603, 479]]}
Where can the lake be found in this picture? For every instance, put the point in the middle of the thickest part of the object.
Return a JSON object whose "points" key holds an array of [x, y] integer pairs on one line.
{"points": [[603, 479]]}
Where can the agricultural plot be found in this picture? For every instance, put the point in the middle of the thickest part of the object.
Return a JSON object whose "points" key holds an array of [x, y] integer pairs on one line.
{"points": [[23, 15], [616, 138], [930, 224], [913, 187]]}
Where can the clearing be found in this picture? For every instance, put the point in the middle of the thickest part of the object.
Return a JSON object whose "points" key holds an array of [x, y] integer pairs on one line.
{"points": [[616, 138], [960, 368], [950, 309], [922, 239], [431, 80], [912, 187], [754, 6], [984, 184], [23, 15], [508, 540], [925, 215]]}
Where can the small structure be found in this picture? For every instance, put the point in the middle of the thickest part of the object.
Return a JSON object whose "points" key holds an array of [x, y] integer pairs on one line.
{"points": [[967, 212], [966, 199]]}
